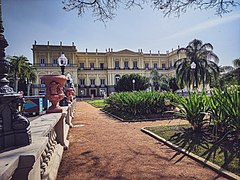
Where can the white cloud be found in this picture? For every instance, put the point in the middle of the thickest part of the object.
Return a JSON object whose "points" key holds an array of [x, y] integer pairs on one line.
{"points": [[205, 25]]}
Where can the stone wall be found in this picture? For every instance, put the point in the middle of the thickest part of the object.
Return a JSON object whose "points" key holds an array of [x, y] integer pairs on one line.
{"points": [[41, 159]]}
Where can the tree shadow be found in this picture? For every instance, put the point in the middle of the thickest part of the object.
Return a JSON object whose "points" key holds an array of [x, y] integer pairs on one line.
{"points": [[203, 143]]}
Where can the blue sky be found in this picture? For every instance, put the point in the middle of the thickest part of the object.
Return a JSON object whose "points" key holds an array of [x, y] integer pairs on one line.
{"points": [[45, 20]]}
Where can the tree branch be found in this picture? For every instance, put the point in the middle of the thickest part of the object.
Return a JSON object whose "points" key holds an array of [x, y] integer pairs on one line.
{"points": [[104, 10]]}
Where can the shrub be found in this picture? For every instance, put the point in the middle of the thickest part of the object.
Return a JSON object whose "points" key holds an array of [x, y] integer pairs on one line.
{"points": [[137, 103], [225, 110], [126, 84], [192, 108]]}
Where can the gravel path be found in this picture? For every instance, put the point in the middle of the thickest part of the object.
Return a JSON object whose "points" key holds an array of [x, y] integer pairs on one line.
{"points": [[104, 148]]}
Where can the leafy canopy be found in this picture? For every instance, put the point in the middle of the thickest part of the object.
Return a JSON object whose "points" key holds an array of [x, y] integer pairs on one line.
{"points": [[126, 83]]}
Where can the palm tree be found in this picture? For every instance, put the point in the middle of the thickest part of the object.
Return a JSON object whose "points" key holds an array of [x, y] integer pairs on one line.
{"points": [[31, 76], [155, 79], [236, 64], [21, 69], [173, 84], [198, 67], [159, 81]]}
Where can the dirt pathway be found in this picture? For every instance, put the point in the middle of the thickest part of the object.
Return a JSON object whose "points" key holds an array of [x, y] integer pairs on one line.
{"points": [[104, 148]]}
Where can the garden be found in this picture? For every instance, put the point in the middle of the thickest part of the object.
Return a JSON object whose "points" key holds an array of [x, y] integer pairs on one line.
{"points": [[213, 131]]}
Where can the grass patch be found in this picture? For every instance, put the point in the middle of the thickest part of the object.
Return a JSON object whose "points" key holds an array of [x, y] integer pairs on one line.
{"points": [[224, 154], [99, 103]]}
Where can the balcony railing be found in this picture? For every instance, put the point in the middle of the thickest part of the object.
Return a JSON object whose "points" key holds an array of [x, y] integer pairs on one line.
{"points": [[38, 85], [52, 65], [92, 68]]}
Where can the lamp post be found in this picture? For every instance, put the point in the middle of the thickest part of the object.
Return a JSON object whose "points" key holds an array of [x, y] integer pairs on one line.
{"points": [[133, 81], [14, 128], [62, 61], [193, 67]]}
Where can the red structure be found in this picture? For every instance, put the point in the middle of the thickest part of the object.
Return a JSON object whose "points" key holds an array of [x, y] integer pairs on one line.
{"points": [[54, 91]]}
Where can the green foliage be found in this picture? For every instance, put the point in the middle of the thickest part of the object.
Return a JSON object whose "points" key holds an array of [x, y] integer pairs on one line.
{"points": [[230, 78], [21, 72], [206, 70], [137, 103], [192, 108], [225, 110], [173, 84], [126, 83], [200, 144]]}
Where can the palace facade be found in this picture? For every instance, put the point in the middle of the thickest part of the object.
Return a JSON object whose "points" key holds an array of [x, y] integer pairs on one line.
{"points": [[98, 72]]}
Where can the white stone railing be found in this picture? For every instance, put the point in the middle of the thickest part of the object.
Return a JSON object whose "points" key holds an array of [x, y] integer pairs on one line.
{"points": [[41, 159]]}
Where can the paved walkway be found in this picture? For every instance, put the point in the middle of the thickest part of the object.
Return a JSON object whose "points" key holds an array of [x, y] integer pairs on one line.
{"points": [[104, 148]]}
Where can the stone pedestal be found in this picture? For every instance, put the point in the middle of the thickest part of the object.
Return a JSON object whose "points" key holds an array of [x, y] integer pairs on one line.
{"points": [[54, 91], [14, 128]]}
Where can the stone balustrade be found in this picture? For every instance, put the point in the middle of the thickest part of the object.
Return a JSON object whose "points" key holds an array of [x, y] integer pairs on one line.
{"points": [[41, 159]]}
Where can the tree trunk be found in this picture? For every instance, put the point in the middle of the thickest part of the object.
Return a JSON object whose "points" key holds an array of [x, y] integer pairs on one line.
{"points": [[28, 89], [16, 85]]}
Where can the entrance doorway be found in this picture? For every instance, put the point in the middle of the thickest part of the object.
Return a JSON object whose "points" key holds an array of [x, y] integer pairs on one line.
{"points": [[92, 93]]}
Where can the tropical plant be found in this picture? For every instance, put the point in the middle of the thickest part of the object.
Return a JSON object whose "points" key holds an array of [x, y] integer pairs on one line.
{"points": [[198, 67], [230, 75], [126, 83], [159, 81], [21, 71], [173, 84], [225, 110], [136, 103], [155, 79], [31, 76], [192, 108]]}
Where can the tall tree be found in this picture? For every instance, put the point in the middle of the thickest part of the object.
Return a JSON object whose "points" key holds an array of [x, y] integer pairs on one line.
{"points": [[232, 76], [159, 81], [21, 71], [132, 82], [198, 67], [30, 76], [104, 10], [236, 64], [155, 79], [173, 84]]}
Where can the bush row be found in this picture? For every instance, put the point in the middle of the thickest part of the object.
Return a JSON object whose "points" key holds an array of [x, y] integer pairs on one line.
{"points": [[137, 103]]}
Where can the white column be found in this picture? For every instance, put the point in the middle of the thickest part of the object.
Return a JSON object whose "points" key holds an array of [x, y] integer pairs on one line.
{"points": [[151, 63], [121, 63], [87, 80], [97, 65], [87, 65], [35, 60], [97, 80], [48, 60], [112, 63], [109, 79]]}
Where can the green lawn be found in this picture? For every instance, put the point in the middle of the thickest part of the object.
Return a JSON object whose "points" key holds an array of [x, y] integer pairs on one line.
{"points": [[223, 155], [97, 103]]}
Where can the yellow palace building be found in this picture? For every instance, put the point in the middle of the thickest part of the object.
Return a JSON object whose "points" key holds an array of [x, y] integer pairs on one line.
{"points": [[96, 73]]}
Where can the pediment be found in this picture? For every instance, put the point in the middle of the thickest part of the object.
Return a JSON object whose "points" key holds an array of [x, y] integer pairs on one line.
{"points": [[126, 52]]}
